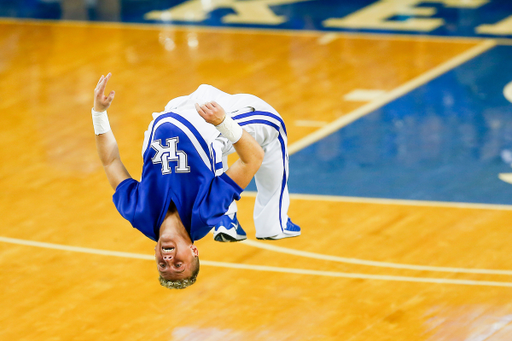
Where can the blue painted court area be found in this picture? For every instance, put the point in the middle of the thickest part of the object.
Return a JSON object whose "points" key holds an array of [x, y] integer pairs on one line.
{"points": [[445, 141]]}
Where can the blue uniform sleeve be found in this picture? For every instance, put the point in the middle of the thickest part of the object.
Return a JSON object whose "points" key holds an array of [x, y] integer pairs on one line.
{"points": [[221, 193], [130, 205], [125, 198]]}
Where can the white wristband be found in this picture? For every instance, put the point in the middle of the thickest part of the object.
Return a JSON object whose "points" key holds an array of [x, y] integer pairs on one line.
{"points": [[100, 122], [230, 129]]}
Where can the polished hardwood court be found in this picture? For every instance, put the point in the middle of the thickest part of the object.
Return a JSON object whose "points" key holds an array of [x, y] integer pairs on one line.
{"points": [[312, 287]]}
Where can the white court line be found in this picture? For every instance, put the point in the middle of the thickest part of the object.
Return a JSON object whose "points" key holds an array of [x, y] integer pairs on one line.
{"points": [[358, 276], [363, 95], [320, 256], [75, 248], [261, 267], [385, 201], [391, 95], [310, 123]]}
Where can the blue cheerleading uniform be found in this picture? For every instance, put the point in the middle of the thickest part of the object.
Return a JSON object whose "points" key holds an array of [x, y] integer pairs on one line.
{"points": [[179, 166]]}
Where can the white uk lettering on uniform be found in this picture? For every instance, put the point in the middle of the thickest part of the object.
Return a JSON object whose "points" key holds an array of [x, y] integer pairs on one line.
{"points": [[170, 153]]}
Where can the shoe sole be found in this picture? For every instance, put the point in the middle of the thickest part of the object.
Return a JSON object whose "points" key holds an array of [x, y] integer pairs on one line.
{"points": [[222, 235], [226, 238], [284, 237]]}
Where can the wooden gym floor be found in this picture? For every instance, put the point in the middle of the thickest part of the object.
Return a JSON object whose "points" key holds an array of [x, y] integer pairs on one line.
{"points": [[72, 269]]}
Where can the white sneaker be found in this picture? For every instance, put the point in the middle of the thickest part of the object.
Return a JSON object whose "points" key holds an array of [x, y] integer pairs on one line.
{"points": [[229, 230]]}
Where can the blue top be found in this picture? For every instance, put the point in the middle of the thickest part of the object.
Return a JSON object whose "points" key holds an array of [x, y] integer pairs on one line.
{"points": [[178, 167]]}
